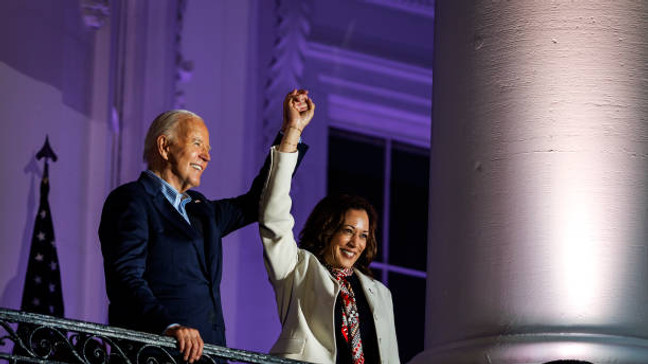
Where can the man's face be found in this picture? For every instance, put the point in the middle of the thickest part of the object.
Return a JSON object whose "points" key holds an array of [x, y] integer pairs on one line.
{"points": [[188, 154]]}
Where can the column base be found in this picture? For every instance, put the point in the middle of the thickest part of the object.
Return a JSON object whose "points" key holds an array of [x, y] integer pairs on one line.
{"points": [[540, 348]]}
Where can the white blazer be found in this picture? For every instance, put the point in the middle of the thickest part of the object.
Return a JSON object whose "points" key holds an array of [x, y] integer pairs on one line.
{"points": [[305, 291]]}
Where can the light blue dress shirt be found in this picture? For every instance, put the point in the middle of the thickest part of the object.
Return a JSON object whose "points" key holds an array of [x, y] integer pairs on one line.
{"points": [[177, 199]]}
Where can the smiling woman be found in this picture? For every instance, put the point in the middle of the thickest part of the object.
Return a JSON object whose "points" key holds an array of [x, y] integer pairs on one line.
{"points": [[341, 232], [349, 241], [331, 309]]}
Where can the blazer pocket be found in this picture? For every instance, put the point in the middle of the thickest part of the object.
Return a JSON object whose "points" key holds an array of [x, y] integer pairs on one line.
{"points": [[288, 345]]}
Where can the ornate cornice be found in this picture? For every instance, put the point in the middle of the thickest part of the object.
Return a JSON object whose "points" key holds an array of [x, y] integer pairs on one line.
{"points": [[378, 65], [373, 118], [397, 110]]}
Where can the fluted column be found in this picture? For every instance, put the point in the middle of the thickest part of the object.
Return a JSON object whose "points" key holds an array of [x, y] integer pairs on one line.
{"points": [[538, 244]]}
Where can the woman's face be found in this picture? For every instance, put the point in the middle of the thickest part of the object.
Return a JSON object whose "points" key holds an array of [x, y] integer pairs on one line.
{"points": [[348, 243]]}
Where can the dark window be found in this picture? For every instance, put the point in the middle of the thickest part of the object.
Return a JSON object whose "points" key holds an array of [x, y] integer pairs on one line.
{"points": [[408, 215], [408, 294]]}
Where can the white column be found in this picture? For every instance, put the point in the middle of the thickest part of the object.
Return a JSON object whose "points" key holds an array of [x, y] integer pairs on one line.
{"points": [[538, 244]]}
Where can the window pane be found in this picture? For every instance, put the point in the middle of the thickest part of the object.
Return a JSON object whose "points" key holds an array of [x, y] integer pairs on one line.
{"points": [[356, 165], [408, 294], [377, 273], [409, 207]]}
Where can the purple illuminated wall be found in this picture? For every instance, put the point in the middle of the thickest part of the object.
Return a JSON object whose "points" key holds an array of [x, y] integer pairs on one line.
{"points": [[94, 83], [45, 73]]}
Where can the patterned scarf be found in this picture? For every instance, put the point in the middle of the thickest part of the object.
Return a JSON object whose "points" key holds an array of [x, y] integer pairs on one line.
{"points": [[350, 315]]}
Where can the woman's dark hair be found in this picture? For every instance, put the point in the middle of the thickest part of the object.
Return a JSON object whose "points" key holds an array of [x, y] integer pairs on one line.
{"points": [[328, 217]]}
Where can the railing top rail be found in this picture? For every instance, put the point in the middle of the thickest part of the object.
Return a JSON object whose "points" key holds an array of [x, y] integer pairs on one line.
{"points": [[9, 316]]}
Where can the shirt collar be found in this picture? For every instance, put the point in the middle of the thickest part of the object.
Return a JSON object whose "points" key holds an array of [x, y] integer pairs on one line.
{"points": [[175, 198]]}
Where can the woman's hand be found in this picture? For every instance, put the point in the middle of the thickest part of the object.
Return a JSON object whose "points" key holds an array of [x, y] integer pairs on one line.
{"points": [[298, 110]]}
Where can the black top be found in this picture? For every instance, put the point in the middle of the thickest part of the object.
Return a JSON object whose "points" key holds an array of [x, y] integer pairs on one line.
{"points": [[367, 327]]}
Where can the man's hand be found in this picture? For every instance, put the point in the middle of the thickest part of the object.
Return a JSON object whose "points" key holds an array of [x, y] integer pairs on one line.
{"points": [[189, 341], [298, 110]]}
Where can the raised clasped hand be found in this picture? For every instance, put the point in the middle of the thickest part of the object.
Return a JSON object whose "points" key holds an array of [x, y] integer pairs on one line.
{"points": [[298, 110]]}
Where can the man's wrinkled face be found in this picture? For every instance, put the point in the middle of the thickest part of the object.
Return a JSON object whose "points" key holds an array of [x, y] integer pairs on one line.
{"points": [[188, 154]]}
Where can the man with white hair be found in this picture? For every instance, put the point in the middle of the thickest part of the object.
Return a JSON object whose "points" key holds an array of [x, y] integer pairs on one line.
{"points": [[161, 241]]}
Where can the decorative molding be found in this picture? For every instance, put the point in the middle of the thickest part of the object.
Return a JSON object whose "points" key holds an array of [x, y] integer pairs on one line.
{"points": [[375, 91], [184, 67], [418, 7], [95, 13], [397, 107], [287, 64], [344, 57], [379, 120]]}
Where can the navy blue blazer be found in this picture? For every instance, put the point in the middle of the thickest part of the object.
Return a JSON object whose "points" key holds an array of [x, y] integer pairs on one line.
{"points": [[160, 270]]}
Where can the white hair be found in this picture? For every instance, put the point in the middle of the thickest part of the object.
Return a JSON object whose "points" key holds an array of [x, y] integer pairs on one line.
{"points": [[164, 124]]}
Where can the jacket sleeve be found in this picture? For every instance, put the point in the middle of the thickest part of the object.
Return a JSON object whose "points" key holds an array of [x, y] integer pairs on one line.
{"points": [[275, 221], [235, 213], [124, 236]]}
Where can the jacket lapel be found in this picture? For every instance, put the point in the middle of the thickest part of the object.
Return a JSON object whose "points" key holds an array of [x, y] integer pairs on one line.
{"points": [[164, 207], [173, 217], [199, 209], [370, 290]]}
